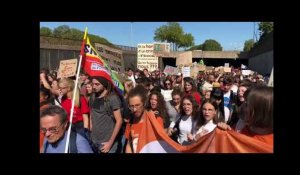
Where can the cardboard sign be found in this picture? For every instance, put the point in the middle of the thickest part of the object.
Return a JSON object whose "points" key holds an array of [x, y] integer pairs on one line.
{"points": [[246, 72], [195, 70], [184, 58], [170, 70], [167, 94], [227, 69], [67, 68], [145, 57], [186, 72], [209, 68]]}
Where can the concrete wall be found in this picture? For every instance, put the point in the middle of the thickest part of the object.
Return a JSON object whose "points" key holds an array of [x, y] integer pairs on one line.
{"points": [[261, 56], [262, 63]]}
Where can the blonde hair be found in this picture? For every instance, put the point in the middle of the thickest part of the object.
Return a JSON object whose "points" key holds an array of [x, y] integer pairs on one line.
{"points": [[71, 84]]}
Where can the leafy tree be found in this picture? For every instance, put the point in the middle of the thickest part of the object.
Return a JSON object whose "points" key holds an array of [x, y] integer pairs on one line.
{"points": [[248, 45], [186, 41], [197, 47], [265, 28], [61, 31], [211, 45], [45, 31], [174, 34], [65, 32]]}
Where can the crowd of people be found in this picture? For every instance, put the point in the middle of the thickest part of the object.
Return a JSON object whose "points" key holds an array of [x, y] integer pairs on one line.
{"points": [[187, 108]]}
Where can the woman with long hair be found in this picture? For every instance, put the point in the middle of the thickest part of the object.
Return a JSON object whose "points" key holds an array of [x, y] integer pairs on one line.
{"points": [[157, 104], [186, 120], [190, 88], [207, 121], [80, 120], [258, 115]]}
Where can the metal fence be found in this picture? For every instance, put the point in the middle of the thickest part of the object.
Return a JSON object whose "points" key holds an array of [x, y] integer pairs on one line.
{"points": [[50, 58]]}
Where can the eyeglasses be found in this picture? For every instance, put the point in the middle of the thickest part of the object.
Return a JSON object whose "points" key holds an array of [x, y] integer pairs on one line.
{"points": [[137, 106], [52, 130], [209, 110]]}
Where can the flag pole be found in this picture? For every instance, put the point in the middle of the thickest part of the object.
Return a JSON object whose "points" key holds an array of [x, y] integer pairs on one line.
{"points": [[74, 93], [72, 108]]}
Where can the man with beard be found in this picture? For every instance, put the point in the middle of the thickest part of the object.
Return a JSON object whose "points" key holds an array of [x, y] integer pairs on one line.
{"points": [[106, 119]]}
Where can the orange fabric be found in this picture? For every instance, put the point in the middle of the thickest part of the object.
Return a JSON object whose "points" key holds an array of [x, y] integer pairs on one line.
{"points": [[160, 121], [217, 141], [267, 138], [136, 128]]}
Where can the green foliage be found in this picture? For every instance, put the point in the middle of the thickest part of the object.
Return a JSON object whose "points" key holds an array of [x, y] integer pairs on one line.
{"points": [[197, 47], [248, 45], [187, 40], [211, 45], [173, 33], [61, 32], [65, 32], [265, 28], [45, 31]]}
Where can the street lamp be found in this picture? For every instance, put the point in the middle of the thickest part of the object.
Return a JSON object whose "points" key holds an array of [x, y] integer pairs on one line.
{"points": [[131, 34]]}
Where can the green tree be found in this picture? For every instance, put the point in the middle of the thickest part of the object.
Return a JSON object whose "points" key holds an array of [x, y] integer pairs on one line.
{"points": [[265, 28], [197, 47], [174, 34], [61, 31], [211, 45], [248, 45], [187, 40], [65, 32], [45, 31]]}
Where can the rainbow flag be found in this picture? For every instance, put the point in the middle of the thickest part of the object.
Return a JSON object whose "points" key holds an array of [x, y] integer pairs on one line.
{"points": [[94, 65]]}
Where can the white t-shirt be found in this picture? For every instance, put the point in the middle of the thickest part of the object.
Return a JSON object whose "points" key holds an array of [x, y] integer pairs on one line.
{"points": [[185, 127], [207, 128], [132, 79]]}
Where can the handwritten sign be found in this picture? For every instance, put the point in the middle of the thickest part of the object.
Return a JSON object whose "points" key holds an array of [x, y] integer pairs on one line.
{"points": [[67, 68], [170, 70], [246, 72], [186, 72], [145, 57]]}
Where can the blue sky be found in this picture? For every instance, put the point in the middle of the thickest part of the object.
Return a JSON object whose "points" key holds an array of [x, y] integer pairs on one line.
{"points": [[231, 35]]}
